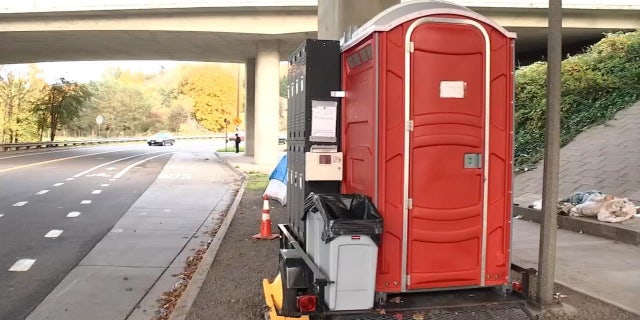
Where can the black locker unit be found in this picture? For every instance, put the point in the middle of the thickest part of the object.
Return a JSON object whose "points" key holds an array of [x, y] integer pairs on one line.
{"points": [[314, 71]]}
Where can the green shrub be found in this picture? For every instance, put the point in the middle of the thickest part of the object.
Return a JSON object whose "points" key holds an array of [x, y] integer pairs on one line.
{"points": [[595, 85], [230, 148], [257, 181]]}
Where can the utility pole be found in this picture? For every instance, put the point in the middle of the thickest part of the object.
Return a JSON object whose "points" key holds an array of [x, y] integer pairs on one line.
{"points": [[238, 93], [226, 133], [548, 227]]}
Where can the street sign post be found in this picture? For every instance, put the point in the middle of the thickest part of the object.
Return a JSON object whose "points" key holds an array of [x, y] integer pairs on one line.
{"points": [[99, 121], [226, 133]]}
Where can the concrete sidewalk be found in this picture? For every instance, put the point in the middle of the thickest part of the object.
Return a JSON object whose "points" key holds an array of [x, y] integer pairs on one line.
{"points": [[603, 269], [245, 163], [605, 157], [123, 276]]}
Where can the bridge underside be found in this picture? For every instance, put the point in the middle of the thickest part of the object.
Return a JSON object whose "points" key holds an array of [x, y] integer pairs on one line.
{"points": [[49, 46], [259, 39]]}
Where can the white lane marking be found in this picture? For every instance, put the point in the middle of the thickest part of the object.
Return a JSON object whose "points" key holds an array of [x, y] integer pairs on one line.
{"points": [[20, 204], [123, 171], [53, 234], [42, 192], [1, 215], [117, 230], [69, 179], [111, 168], [56, 151], [104, 185], [22, 265], [96, 191], [108, 163], [85, 202], [73, 214], [112, 179], [31, 154], [143, 213], [101, 174], [54, 160], [58, 184]]}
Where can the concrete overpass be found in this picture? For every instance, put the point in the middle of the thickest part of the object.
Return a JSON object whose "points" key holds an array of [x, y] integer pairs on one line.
{"points": [[256, 32]]}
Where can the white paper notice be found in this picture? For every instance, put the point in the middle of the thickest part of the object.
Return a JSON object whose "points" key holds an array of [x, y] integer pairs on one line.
{"points": [[324, 116], [452, 89]]}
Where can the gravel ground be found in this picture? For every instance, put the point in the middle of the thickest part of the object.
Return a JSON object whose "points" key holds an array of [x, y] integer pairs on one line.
{"points": [[233, 287]]}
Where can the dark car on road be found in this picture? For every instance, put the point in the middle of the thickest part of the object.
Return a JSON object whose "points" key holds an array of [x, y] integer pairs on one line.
{"points": [[161, 139]]}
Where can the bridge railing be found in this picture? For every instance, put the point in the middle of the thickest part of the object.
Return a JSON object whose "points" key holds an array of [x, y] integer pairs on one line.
{"points": [[55, 144]]}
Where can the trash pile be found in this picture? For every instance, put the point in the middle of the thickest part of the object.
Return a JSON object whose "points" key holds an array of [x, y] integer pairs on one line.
{"points": [[606, 208]]}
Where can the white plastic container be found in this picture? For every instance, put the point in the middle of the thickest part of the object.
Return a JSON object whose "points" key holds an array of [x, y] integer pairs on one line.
{"points": [[349, 261]]}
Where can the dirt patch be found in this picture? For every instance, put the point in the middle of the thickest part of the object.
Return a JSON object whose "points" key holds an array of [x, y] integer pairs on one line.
{"points": [[232, 289]]}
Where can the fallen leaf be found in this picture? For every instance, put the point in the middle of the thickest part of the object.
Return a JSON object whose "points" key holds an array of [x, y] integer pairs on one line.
{"points": [[418, 316], [170, 299], [381, 311], [398, 316]]}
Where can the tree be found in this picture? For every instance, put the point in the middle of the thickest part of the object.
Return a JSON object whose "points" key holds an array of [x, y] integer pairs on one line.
{"points": [[214, 92], [284, 87], [17, 122], [63, 101], [125, 108]]}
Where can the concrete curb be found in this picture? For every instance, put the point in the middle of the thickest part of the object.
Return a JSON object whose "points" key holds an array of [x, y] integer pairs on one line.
{"points": [[597, 297], [611, 231], [231, 166], [189, 296]]}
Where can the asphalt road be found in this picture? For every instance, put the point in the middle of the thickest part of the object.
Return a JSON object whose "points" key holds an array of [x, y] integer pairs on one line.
{"points": [[55, 206]]}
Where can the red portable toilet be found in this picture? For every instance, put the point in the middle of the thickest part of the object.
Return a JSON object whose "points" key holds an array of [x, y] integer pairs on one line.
{"points": [[427, 124]]}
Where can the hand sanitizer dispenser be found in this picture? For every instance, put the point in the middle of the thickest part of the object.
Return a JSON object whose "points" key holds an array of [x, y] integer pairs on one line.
{"points": [[323, 163]]}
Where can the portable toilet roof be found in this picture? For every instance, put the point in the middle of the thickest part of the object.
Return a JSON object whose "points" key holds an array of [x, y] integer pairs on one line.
{"points": [[403, 12]]}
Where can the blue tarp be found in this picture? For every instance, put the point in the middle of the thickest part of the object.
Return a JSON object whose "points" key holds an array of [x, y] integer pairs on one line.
{"points": [[280, 172], [277, 187]]}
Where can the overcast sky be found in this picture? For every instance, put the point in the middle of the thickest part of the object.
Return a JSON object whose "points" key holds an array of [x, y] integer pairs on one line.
{"points": [[85, 71]]}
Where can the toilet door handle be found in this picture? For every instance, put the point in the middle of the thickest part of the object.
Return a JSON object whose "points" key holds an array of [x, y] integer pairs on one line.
{"points": [[472, 160]]}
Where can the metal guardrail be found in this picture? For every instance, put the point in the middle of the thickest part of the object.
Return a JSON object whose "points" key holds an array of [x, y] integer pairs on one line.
{"points": [[55, 144]]}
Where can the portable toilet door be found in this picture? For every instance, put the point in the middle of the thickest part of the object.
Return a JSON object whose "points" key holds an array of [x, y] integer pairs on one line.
{"points": [[447, 93], [428, 134]]}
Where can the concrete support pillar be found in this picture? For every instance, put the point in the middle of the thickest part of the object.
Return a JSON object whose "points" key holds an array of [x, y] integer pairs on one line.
{"points": [[335, 17], [267, 98], [250, 109]]}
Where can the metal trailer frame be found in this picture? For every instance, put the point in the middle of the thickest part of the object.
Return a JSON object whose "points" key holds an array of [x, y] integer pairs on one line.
{"points": [[473, 301]]}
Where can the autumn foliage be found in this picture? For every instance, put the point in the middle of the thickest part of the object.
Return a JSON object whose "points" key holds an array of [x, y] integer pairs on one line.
{"points": [[214, 92], [190, 99]]}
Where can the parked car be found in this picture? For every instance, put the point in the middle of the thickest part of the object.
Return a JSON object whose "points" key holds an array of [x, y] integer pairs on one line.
{"points": [[161, 139]]}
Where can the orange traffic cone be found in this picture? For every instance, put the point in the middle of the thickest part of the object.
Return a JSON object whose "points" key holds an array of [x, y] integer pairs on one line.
{"points": [[265, 226]]}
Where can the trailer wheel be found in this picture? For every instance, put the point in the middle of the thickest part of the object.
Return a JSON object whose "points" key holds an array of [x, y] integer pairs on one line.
{"points": [[381, 299], [503, 290]]}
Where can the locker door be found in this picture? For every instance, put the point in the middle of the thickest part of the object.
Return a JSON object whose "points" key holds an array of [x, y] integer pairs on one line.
{"points": [[446, 142]]}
